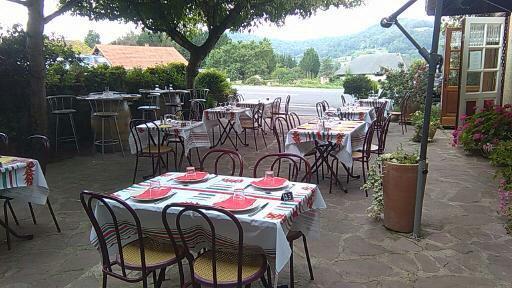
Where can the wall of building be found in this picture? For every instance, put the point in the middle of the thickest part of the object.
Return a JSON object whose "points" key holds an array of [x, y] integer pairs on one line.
{"points": [[507, 86]]}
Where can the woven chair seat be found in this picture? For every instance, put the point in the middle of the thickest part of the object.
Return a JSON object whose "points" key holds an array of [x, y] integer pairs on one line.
{"points": [[148, 108], [357, 154], [253, 267], [157, 254], [395, 113], [105, 114], [154, 149]]}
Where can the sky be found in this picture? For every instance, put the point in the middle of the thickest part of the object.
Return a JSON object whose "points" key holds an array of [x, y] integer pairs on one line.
{"points": [[333, 22]]}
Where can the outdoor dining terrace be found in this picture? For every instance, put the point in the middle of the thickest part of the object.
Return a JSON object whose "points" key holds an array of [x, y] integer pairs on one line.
{"points": [[464, 244]]}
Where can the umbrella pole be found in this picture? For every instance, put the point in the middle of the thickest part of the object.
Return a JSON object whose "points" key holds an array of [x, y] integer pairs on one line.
{"points": [[434, 61]]}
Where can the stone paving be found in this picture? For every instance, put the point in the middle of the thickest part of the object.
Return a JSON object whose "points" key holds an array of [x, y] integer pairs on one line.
{"points": [[465, 244]]}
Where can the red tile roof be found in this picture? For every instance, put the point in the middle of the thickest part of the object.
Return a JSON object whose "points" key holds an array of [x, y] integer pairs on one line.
{"points": [[138, 56]]}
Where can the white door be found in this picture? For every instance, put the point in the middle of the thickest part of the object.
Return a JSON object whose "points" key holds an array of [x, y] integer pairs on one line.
{"points": [[481, 69]]}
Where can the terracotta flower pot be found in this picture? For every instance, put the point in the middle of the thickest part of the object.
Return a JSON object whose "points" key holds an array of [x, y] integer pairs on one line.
{"points": [[399, 188]]}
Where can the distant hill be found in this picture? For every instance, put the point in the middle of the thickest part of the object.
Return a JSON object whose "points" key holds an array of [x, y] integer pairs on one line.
{"points": [[374, 37]]}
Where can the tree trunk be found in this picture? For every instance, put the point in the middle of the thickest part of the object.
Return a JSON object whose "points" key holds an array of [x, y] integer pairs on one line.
{"points": [[193, 65], [35, 29]]}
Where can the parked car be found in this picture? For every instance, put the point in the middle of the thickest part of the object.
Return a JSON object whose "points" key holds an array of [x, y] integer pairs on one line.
{"points": [[93, 60]]}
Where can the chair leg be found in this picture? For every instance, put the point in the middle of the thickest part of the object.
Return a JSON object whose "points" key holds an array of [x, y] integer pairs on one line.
{"points": [[263, 135], [13, 214], [292, 276], [53, 215], [6, 220], [161, 278], [104, 282], [182, 276], [255, 142], [135, 170], [269, 276], [56, 131], [119, 136], [74, 131], [264, 281], [102, 138], [306, 250], [32, 213]]}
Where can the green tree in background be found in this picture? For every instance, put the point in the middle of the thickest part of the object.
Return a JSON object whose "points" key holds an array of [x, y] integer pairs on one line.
{"points": [[310, 63], [92, 38], [286, 60], [241, 60], [181, 20], [359, 86], [328, 67]]}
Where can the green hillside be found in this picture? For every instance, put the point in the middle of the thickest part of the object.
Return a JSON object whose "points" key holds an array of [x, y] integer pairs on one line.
{"points": [[374, 37]]}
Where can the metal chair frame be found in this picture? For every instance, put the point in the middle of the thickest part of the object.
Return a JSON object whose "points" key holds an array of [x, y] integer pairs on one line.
{"points": [[86, 198], [107, 110], [202, 211], [62, 105], [151, 104], [234, 156], [257, 124], [158, 155]]}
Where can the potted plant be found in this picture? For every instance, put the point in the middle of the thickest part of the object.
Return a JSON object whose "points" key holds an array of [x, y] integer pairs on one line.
{"points": [[417, 121], [393, 180]]}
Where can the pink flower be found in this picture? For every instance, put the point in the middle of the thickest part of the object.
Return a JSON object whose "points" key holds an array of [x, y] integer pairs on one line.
{"points": [[463, 117], [478, 120], [477, 136]]}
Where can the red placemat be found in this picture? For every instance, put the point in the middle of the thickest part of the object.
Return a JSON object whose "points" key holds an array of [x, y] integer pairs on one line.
{"points": [[153, 193], [235, 204], [195, 177], [270, 183]]}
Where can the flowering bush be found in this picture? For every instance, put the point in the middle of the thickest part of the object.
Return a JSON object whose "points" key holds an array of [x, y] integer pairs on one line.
{"points": [[484, 130], [501, 157]]}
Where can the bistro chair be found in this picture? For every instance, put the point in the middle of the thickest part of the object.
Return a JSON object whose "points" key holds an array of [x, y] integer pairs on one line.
{"points": [[343, 100], [232, 156], [149, 146], [62, 106], [275, 109], [381, 147], [151, 106], [294, 168], [196, 110], [106, 110], [199, 94], [364, 154], [402, 114], [286, 111], [293, 120], [321, 107], [4, 143], [255, 123], [379, 121], [221, 265], [144, 255], [173, 101]]}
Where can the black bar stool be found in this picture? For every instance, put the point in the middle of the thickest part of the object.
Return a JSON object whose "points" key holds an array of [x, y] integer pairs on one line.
{"points": [[106, 110]]}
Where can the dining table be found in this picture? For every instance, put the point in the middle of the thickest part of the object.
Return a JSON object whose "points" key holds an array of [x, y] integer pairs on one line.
{"points": [[327, 137], [22, 179], [265, 222], [354, 113], [253, 103], [228, 119], [376, 103], [191, 134]]}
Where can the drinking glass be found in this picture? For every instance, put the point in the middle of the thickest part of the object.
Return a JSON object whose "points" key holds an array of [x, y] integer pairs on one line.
{"points": [[191, 171], [269, 176], [238, 193], [154, 186]]}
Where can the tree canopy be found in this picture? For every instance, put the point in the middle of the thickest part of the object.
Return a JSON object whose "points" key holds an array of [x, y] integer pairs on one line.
{"points": [[181, 20], [310, 63], [92, 38], [242, 60]]}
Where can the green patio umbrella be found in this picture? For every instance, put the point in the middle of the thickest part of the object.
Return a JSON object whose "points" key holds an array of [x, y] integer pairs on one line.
{"points": [[437, 8]]}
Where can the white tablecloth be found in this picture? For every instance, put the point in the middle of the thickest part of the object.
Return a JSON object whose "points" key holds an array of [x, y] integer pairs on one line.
{"points": [[357, 113], [348, 135], [194, 135], [376, 103], [266, 231], [23, 179], [212, 116], [252, 103]]}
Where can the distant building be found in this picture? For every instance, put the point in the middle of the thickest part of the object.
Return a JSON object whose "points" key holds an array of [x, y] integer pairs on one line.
{"points": [[371, 64], [138, 56]]}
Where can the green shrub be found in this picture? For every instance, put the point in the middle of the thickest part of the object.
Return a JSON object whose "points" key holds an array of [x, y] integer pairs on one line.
{"points": [[216, 82], [286, 75], [167, 75], [254, 80], [359, 86]]}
